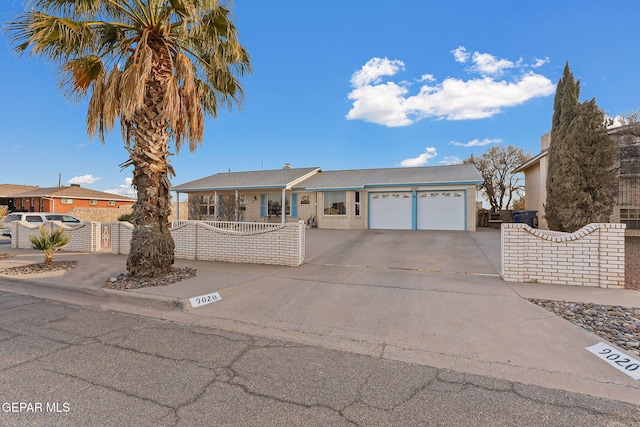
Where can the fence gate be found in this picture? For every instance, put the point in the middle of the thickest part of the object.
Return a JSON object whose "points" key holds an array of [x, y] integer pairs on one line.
{"points": [[105, 236]]}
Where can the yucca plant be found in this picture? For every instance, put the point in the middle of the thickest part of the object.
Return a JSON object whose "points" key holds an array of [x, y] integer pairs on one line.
{"points": [[49, 242]]}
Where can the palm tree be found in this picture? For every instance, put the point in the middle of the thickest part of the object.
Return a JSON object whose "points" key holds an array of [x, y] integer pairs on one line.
{"points": [[156, 65]]}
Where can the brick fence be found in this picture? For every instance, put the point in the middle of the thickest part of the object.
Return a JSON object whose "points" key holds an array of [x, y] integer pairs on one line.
{"points": [[85, 238], [591, 256], [279, 244]]}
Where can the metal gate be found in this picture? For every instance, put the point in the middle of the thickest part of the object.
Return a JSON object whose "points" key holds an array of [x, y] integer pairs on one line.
{"points": [[105, 237]]}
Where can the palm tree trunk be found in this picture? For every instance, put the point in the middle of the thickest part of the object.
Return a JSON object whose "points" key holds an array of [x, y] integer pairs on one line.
{"points": [[152, 246]]}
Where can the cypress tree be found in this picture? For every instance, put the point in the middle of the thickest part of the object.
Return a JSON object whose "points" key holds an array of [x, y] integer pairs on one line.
{"points": [[581, 180], [565, 103]]}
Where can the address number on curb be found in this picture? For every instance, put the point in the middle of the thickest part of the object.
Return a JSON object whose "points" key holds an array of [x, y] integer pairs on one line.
{"points": [[617, 359], [204, 299]]}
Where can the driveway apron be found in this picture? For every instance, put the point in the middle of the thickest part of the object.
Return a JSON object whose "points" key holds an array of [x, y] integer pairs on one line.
{"points": [[428, 297]]}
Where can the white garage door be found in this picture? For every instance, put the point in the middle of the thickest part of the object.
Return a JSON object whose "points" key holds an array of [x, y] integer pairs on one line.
{"points": [[441, 210], [391, 210]]}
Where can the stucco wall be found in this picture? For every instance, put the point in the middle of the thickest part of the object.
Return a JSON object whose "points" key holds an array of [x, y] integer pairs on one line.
{"points": [[88, 214]]}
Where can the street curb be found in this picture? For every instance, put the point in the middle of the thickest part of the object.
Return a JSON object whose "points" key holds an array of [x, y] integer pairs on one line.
{"points": [[70, 293]]}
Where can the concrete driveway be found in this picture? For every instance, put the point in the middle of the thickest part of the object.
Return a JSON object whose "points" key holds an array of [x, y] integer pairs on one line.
{"points": [[434, 251], [431, 298]]}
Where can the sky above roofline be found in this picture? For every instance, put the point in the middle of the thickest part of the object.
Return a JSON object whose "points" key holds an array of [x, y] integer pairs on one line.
{"points": [[352, 85]]}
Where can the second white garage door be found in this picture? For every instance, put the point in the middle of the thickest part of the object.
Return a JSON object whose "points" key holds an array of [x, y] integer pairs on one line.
{"points": [[441, 210], [391, 210]]}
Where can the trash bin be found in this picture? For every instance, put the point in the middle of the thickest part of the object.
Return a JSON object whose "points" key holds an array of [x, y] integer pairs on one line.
{"points": [[528, 217]]}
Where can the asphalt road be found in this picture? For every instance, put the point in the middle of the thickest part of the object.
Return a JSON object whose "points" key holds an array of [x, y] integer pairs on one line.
{"points": [[62, 364]]}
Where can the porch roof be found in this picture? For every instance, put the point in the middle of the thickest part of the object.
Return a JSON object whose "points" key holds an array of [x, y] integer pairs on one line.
{"points": [[464, 174], [258, 180]]}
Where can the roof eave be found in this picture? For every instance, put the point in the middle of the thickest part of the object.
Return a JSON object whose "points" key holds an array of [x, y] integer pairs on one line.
{"points": [[526, 165]]}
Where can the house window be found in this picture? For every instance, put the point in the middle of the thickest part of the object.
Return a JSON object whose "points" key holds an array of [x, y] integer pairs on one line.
{"points": [[206, 206], [335, 203], [631, 217], [93, 202], [630, 158], [110, 203], [274, 204], [66, 201], [356, 204]]}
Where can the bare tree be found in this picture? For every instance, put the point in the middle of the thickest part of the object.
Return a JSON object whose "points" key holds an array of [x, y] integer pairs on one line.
{"points": [[501, 186]]}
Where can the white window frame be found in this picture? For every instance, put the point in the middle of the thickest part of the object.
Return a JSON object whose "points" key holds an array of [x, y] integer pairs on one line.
{"points": [[330, 202]]}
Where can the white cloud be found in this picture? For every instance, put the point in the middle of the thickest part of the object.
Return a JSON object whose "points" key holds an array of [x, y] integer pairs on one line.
{"points": [[460, 54], [389, 103], [125, 189], [477, 142], [450, 160], [540, 62], [489, 65], [84, 179], [374, 69], [421, 160], [427, 78]]}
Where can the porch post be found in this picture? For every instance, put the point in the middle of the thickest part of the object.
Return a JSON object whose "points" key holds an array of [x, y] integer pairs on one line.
{"points": [[283, 210], [235, 208], [177, 206], [215, 205]]}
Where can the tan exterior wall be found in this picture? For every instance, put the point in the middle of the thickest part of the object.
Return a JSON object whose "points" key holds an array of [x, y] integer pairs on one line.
{"points": [[113, 214], [472, 213], [307, 206], [591, 256], [315, 207], [350, 221]]}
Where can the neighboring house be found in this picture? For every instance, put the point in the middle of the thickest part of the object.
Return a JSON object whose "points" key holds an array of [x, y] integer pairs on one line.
{"points": [[65, 199], [423, 198], [8, 192], [627, 207]]}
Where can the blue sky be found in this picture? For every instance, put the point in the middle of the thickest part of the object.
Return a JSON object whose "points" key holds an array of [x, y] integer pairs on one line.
{"points": [[350, 85]]}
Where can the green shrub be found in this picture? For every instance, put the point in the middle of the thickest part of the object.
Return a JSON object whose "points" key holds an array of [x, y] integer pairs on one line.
{"points": [[49, 242], [125, 217]]}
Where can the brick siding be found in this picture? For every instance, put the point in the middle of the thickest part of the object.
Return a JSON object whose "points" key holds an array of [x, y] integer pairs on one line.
{"points": [[283, 246], [591, 256]]}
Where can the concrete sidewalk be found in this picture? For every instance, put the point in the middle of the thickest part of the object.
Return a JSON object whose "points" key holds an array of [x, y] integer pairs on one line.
{"points": [[460, 316]]}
